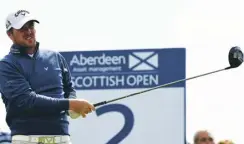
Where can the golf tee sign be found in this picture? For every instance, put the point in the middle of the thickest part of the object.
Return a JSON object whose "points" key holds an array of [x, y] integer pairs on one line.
{"points": [[149, 118]]}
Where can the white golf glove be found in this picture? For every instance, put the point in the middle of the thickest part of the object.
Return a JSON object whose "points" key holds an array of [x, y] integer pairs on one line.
{"points": [[71, 113]]}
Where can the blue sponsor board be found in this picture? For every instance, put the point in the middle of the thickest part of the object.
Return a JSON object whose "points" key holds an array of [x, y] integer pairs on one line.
{"points": [[136, 68]]}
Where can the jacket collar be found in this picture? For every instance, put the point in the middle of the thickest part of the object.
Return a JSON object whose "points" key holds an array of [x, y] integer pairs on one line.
{"points": [[18, 49]]}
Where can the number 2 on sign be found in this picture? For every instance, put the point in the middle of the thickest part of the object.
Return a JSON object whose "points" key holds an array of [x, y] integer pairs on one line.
{"points": [[128, 116]]}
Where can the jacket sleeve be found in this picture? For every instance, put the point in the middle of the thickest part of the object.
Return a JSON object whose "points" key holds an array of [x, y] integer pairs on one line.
{"points": [[69, 90], [15, 88]]}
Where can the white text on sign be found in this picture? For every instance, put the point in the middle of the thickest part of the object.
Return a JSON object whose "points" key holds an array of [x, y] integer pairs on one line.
{"points": [[115, 80]]}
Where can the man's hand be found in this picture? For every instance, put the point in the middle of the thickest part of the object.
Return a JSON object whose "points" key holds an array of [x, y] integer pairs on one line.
{"points": [[81, 106]]}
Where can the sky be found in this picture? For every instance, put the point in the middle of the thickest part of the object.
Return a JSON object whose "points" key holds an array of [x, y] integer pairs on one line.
{"points": [[206, 28]]}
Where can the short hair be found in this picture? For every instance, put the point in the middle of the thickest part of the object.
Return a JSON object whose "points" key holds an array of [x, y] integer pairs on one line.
{"points": [[10, 30], [195, 138]]}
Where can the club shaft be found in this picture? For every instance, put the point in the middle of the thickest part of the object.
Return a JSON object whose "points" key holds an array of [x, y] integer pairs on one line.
{"points": [[157, 87]]}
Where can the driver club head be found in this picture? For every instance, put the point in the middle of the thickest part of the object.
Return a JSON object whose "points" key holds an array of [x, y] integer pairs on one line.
{"points": [[235, 57]]}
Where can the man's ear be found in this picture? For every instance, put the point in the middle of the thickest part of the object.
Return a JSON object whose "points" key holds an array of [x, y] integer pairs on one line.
{"points": [[10, 34]]}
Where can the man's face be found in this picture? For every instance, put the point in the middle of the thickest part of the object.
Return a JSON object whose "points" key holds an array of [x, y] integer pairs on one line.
{"points": [[24, 36], [204, 138]]}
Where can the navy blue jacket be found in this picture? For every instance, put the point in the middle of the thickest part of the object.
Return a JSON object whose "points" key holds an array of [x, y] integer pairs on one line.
{"points": [[35, 91]]}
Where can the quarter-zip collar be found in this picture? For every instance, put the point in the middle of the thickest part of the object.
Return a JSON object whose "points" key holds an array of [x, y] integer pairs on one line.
{"points": [[21, 50]]}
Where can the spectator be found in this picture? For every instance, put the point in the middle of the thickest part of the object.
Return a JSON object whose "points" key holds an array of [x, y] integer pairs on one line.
{"points": [[203, 137], [5, 137]]}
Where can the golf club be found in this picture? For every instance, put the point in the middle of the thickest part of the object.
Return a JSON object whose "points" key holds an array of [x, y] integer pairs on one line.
{"points": [[235, 60]]}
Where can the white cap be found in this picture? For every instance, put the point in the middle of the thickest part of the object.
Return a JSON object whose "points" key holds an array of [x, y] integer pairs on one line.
{"points": [[18, 19]]}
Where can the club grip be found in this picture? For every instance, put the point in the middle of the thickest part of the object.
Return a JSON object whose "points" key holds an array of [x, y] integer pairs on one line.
{"points": [[100, 103]]}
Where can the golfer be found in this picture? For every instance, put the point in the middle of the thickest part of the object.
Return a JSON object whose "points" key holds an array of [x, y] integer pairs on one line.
{"points": [[36, 87]]}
